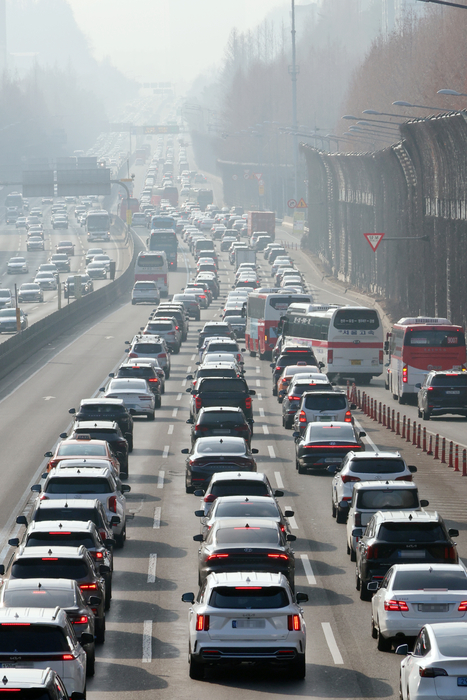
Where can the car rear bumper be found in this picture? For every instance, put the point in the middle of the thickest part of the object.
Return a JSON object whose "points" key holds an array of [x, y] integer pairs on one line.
{"points": [[273, 653]]}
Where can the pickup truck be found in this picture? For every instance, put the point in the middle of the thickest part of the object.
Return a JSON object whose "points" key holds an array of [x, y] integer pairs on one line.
{"points": [[221, 391]]}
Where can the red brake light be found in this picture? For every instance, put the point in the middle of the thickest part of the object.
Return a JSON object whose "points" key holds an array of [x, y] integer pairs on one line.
{"points": [[248, 402], [371, 552], [348, 417], [68, 657], [81, 621], [59, 533], [16, 624], [88, 586], [293, 623], [295, 398], [431, 672], [330, 356], [153, 379], [97, 555], [450, 552], [346, 479], [202, 623], [248, 588], [113, 504], [217, 556], [302, 417], [462, 606], [405, 371], [210, 498], [132, 354], [49, 558], [278, 556], [396, 605], [198, 402]]}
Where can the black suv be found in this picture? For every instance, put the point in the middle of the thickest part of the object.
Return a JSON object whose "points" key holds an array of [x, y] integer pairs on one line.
{"points": [[291, 355], [441, 393], [107, 409], [215, 329], [220, 420], [210, 391], [393, 537]]}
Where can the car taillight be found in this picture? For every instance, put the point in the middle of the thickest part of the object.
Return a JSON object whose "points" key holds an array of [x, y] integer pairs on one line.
{"points": [[43, 497], [97, 555], [371, 552], [330, 356], [177, 328], [407, 477], [462, 606], [81, 620], [294, 398], [202, 623], [346, 479], [396, 605], [113, 504], [248, 402], [431, 672], [88, 586], [132, 354], [450, 552], [358, 519], [161, 354], [68, 657], [381, 357], [201, 428], [198, 402], [293, 623], [302, 417], [210, 498], [217, 556], [348, 417], [405, 372], [153, 380], [278, 556]]}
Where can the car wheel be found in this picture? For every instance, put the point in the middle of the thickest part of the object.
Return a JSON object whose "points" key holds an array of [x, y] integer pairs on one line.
{"points": [[426, 415], [100, 630], [163, 388], [341, 516], [357, 581], [151, 416], [301, 470], [402, 400], [108, 591], [333, 509], [198, 317], [90, 661], [167, 373], [133, 303], [365, 594], [158, 402], [298, 668], [353, 554], [129, 439], [120, 539], [383, 644], [274, 391], [374, 631], [419, 413], [196, 669]]}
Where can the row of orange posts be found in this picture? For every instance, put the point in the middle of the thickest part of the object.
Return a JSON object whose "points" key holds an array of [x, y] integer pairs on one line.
{"points": [[388, 418]]}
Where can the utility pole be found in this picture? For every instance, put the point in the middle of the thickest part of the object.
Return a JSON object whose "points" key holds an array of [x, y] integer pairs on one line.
{"points": [[294, 70]]}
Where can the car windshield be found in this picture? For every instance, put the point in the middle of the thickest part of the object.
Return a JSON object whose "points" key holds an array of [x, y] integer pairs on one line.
{"points": [[49, 567], [406, 532], [377, 466], [39, 598], [223, 445], [327, 432], [224, 386], [245, 534], [19, 639], [239, 487], [74, 485], [244, 598], [430, 580], [246, 509], [61, 538], [452, 642], [81, 449]]}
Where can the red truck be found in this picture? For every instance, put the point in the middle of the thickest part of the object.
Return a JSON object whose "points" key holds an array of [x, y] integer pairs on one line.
{"points": [[262, 221]]}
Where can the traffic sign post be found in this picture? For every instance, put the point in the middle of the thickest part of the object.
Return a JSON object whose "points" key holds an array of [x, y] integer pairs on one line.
{"points": [[374, 239], [292, 203]]}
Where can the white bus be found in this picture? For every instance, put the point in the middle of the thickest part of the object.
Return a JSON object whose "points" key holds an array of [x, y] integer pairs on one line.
{"points": [[152, 265], [98, 225], [347, 339]]}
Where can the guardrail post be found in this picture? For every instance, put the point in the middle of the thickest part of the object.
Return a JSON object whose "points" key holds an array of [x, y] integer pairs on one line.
{"points": [[430, 446], [408, 430], [371, 407], [451, 454], [424, 439], [443, 451], [436, 446], [456, 459], [419, 436], [375, 410], [403, 426]]}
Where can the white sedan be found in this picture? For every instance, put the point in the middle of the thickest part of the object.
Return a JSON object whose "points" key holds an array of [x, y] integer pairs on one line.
{"points": [[17, 265], [135, 393], [246, 616], [46, 280], [437, 668], [413, 595]]}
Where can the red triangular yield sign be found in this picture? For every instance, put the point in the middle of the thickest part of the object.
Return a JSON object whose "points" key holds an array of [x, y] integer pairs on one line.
{"points": [[374, 239]]}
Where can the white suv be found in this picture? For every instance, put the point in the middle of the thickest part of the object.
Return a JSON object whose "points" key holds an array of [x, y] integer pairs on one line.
{"points": [[37, 683], [145, 291], [246, 616], [42, 638]]}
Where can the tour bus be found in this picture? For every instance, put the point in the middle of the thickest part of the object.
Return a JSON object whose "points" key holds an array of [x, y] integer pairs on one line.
{"points": [[14, 204], [152, 265], [98, 225], [347, 339], [264, 310], [415, 346]]}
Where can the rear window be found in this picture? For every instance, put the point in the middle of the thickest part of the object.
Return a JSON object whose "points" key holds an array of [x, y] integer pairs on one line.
{"points": [[377, 466], [105, 410], [217, 373], [244, 598], [222, 419], [81, 449], [49, 568], [223, 347], [291, 358], [234, 385], [430, 580], [356, 319], [434, 338], [78, 485], [215, 330], [39, 598], [96, 434], [333, 402], [247, 535], [327, 432], [160, 326], [450, 380], [240, 488], [60, 539], [30, 639], [142, 372], [223, 445], [388, 499], [411, 532], [85, 514], [246, 509], [145, 285], [148, 348], [30, 694], [452, 642]]}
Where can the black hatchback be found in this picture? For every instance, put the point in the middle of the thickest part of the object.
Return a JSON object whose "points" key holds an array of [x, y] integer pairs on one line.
{"points": [[442, 393]]}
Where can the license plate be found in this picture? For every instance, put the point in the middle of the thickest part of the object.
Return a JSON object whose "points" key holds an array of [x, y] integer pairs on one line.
{"points": [[324, 419], [414, 554], [220, 432], [248, 624], [20, 664], [333, 460], [433, 608], [355, 362], [462, 680], [453, 392]]}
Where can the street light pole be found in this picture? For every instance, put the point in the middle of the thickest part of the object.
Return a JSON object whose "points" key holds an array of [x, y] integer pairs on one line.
{"points": [[294, 71]]}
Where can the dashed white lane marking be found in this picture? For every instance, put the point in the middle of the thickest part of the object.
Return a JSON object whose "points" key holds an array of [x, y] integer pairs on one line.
{"points": [[184, 382], [258, 370], [272, 454], [265, 430], [279, 482], [258, 382], [332, 644], [193, 357], [157, 518], [165, 453], [170, 430], [261, 412], [292, 521], [188, 369], [147, 642], [179, 396], [160, 479], [308, 570], [259, 397], [152, 568], [174, 413]]}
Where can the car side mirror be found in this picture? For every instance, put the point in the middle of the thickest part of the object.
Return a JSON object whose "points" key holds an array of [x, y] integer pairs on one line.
{"points": [[291, 538], [112, 375], [127, 342], [49, 454], [198, 363], [94, 600], [362, 433], [252, 392], [357, 532], [302, 597], [188, 598], [188, 390], [63, 436], [373, 585], [127, 350], [104, 569], [452, 532], [272, 364], [353, 406], [22, 520], [199, 513], [189, 376], [332, 469], [199, 492], [254, 451], [102, 388], [402, 650], [115, 520], [418, 386], [198, 538], [109, 542], [424, 503], [36, 487], [126, 488], [413, 469], [296, 434], [72, 411], [289, 513], [86, 638], [132, 412], [185, 450], [278, 493], [14, 542]]}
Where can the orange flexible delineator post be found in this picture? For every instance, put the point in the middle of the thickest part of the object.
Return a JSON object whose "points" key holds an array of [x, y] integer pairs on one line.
{"points": [[464, 462], [437, 446], [451, 454], [430, 446], [424, 439], [408, 430], [443, 451], [456, 459], [403, 426]]}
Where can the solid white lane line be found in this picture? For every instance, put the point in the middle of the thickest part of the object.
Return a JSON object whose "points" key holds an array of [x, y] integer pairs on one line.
{"points": [[174, 413], [265, 430], [165, 453], [261, 412], [170, 430], [272, 454], [152, 568], [332, 644], [308, 570], [157, 518], [279, 482], [258, 382], [147, 642], [367, 439], [292, 522], [160, 479], [179, 396]]}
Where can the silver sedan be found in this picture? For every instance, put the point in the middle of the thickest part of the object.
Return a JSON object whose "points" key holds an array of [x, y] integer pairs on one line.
{"points": [[135, 393]]}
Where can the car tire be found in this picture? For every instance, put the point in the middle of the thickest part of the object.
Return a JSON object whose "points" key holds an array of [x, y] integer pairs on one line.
{"points": [[91, 662], [129, 439], [402, 400], [100, 631], [419, 413], [383, 644], [151, 416], [196, 671], [108, 593], [365, 594], [120, 539], [333, 509], [158, 403], [301, 470], [341, 516], [133, 303], [167, 373], [374, 631], [274, 391], [298, 668], [426, 415], [198, 317], [353, 554]]}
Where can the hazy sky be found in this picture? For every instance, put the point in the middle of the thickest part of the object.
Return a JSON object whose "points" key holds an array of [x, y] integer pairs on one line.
{"points": [[161, 40]]}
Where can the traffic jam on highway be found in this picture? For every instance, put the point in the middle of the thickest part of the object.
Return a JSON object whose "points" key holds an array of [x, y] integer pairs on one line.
{"points": [[238, 309]]}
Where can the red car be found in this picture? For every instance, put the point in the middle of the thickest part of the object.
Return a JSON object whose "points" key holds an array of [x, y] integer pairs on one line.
{"points": [[81, 447]]}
